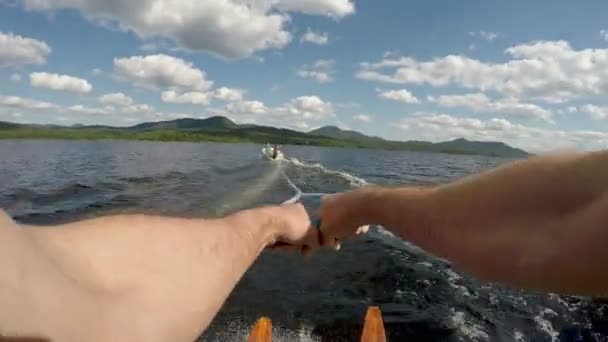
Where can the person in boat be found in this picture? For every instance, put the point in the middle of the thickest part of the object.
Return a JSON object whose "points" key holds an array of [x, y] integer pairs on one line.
{"points": [[275, 151], [538, 224]]}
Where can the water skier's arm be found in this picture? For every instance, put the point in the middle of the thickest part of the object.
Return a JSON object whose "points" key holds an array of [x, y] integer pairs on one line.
{"points": [[133, 277], [539, 223]]}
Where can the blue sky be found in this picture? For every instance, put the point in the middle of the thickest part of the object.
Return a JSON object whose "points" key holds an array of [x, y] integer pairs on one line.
{"points": [[532, 74]]}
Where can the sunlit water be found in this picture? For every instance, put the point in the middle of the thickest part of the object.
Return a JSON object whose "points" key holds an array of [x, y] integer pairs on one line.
{"points": [[323, 298]]}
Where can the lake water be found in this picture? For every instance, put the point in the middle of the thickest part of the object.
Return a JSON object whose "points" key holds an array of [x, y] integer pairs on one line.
{"points": [[322, 298]]}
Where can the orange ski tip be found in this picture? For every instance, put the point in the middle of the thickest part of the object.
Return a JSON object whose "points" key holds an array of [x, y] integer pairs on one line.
{"points": [[373, 330], [262, 331]]}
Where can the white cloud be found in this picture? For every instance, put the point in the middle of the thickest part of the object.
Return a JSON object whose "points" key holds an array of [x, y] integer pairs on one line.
{"points": [[96, 72], [15, 77], [32, 105], [595, 112], [604, 34], [161, 71], [138, 109], [192, 97], [476, 101], [401, 95], [363, 118], [233, 29], [550, 71], [60, 82], [297, 113], [479, 102], [307, 108], [228, 94], [118, 99], [246, 108], [17, 50], [489, 36], [80, 109], [25, 103], [442, 127], [321, 71], [319, 38], [331, 8], [82, 113]]}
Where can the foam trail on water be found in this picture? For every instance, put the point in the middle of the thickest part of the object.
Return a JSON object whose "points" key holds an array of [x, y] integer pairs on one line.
{"points": [[353, 180]]}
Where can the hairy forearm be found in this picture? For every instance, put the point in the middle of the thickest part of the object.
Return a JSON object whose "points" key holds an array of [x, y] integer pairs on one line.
{"points": [[520, 224], [539, 187], [185, 267]]}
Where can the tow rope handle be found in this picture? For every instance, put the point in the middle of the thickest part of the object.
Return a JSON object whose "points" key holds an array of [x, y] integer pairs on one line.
{"points": [[297, 198]]}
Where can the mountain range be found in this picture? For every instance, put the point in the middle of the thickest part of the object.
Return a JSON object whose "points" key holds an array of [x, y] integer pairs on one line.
{"points": [[220, 128]]}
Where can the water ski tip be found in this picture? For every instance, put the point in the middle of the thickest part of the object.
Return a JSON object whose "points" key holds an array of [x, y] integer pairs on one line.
{"points": [[373, 330], [262, 331]]}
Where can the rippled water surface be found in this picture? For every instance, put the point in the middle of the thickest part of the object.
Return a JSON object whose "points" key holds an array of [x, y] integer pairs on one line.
{"points": [[322, 298]]}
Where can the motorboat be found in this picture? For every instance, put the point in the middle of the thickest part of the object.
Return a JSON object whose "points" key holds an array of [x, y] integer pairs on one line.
{"points": [[272, 152]]}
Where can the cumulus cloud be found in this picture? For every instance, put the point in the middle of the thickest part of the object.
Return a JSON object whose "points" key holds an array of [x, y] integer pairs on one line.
{"points": [[307, 108], [319, 38], [321, 71], [161, 71], [364, 118], [118, 99], [489, 36], [604, 34], [139, 108], [30, 106], [25, 103], [233, 29], [331, 8], [192, 97], [479, 102], [15, 77], [296, 113], [91, 110], [16, 50], [550, 71], [595, 112], [60, 82], [247, 108], [228, 28], [228, 94], [401, 95], [441, 127]]}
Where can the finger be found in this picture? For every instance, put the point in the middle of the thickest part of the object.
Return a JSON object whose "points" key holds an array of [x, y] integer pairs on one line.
{"points": [[362, 230], [336, 244]]}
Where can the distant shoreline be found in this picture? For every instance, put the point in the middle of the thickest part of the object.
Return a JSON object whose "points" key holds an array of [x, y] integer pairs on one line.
{"points": [[222, 130], [6, 135]]}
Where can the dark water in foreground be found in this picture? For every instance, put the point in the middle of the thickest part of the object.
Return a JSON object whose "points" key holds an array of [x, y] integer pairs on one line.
{"points": [[323, 298]]}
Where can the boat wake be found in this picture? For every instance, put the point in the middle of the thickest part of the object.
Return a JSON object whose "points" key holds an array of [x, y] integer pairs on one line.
{"points": [[353, 180]]}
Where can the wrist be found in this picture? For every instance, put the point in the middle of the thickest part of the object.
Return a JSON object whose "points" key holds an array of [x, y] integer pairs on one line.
{"points": [[257, 224]]}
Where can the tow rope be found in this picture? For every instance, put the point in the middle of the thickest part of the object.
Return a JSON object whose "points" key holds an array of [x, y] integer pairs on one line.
{"points": [[299, 193], [298, 196]]}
